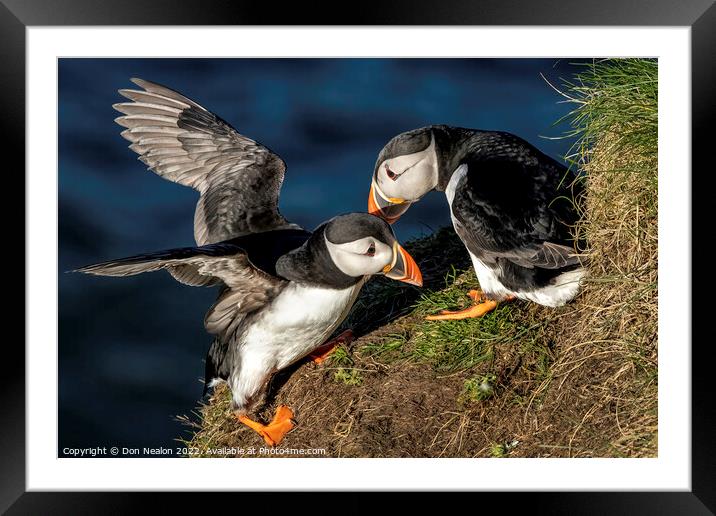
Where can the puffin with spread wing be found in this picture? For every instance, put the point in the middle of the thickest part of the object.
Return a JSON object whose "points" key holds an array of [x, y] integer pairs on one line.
{"points": [[284, 290], [511, 205]]}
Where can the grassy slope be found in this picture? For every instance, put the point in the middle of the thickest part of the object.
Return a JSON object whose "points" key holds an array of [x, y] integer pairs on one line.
{"points": [[525, 380]]}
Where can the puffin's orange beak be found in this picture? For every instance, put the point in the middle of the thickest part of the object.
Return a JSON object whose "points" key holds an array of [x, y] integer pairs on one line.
{"points": [[387, 208], [404, 267]]}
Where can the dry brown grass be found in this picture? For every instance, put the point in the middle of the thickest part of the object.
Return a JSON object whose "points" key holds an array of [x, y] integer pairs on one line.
{"points": [[604, 380]]}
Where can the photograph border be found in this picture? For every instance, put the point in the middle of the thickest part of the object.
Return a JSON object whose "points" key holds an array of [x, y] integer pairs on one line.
{"points": [[16, 15]]}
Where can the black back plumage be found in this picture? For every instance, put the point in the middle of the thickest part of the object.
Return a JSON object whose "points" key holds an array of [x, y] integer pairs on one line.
{"points": [[514, 207]]}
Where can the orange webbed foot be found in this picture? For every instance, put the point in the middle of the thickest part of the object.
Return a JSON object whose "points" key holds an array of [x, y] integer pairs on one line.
{"points": [[274, 432], [481, 307], [476, 295]]}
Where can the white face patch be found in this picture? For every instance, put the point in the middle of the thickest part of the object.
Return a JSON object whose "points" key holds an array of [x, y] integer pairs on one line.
{"points": [[410, 176], [361, 257]]}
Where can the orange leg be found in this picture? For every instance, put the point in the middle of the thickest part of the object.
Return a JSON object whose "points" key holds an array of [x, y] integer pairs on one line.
{"points": [[481, 307], [321, 353], [273, 433]]}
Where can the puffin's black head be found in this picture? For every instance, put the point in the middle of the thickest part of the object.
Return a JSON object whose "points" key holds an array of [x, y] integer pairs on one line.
{"points": [[406, 169], [360, 244]]}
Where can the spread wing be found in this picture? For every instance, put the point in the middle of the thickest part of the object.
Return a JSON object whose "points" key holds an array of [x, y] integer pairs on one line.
{"points": [[237, 178], [505, 210], [246, 288]]}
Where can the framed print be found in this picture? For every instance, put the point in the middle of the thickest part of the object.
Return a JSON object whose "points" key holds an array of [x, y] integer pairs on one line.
{"points": [[444, 252]]}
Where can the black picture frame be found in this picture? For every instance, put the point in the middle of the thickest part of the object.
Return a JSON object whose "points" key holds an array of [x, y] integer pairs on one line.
{"points": [[16, 15]]}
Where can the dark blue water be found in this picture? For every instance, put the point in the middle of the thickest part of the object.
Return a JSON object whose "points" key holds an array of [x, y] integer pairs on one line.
{"points": [[131, 350]]}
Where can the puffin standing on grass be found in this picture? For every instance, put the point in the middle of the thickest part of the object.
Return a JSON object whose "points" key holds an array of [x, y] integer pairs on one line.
{"points": [[284, 290], [510, 204]]}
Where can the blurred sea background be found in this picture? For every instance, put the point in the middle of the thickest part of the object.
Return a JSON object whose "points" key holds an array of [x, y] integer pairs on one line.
{"points": [[131, 349]]}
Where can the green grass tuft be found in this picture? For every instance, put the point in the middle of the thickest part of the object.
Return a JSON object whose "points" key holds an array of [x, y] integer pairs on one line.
{"points": [[479, 388], [344, 364], [388, 348], [613, 97], [450, 297], [501, 450], [456, 345], [340, 357], [348, 376], [498, 450]]}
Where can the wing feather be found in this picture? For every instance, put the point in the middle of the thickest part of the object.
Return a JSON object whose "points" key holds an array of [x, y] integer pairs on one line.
{"points": [[239, 179], [246, 288], [521, 230]]}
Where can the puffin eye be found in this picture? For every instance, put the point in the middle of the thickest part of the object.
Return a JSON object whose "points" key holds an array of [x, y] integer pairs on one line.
{"points": [[371, 250], [392, 175]]}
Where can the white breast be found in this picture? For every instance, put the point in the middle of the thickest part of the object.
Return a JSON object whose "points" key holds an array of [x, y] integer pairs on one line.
{"points": [[299, 320]]}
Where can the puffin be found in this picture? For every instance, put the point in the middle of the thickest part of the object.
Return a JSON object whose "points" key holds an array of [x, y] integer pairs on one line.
{"points": [[283, 290], [511, 205]]}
